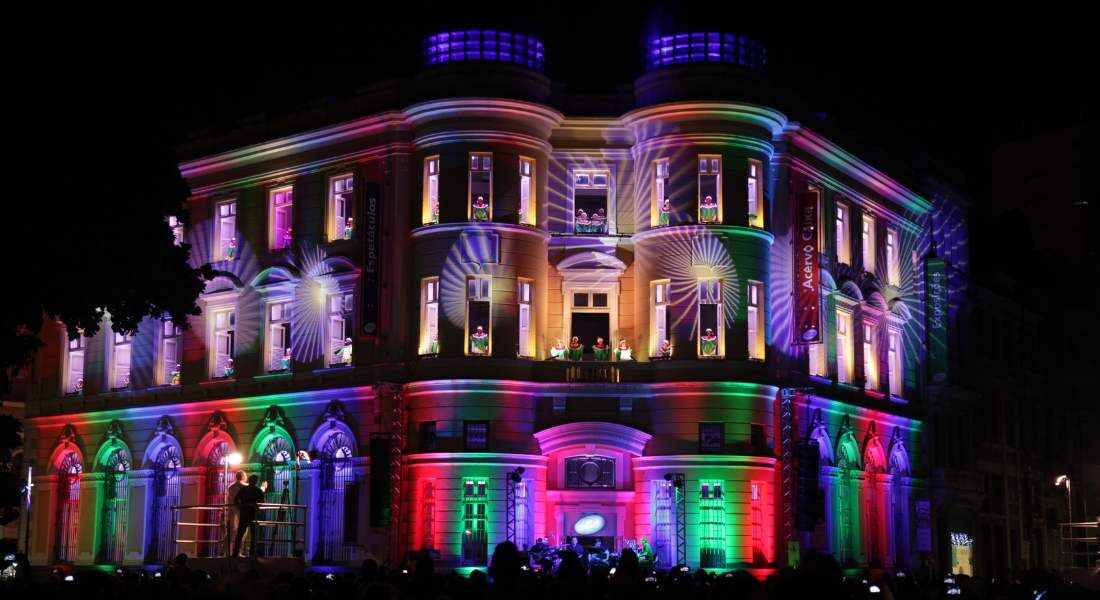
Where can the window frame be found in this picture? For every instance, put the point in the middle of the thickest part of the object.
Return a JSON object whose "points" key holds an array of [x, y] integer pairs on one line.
{"points": [[213, 310], [609, 200], [895, 360], [479, 298], [470, 170], [844, 318], [164, 374], [427, 215], [867, 241], [754, 317], [659, 188], [427, 285], [842, 216], [346, 314], [333, 231], [220, 244], [721, 325], [755, 193], [71, 387], [176, 227], [286, 322], [525, 297], [528, 214], [708, 172], [871, 368], [655, 309], [893, 257], [275, 242], [466, 436], [117, 341]]}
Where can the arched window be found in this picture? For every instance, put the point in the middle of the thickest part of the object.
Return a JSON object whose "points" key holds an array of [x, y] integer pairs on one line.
{"points": [[166, 494], [337, 474], [276, 468], [116, 501], [69, 468], [216, 483]]}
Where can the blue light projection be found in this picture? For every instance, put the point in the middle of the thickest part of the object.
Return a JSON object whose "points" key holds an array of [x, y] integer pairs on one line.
{"points": [[484, 45], [701, 47]]}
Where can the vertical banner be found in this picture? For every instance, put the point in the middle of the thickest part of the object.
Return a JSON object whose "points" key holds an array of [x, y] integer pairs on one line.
{"points": [[807, 273], [372, 264], [936, 280]]}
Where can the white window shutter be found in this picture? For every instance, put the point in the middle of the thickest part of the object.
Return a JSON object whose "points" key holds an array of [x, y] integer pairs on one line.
{"points": [[753, 350], [431, 325], [222, 351], [661, 328]]}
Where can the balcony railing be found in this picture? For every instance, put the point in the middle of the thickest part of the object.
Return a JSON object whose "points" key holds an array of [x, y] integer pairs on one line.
{"points": [[1080, 545], [597, 372], [206, 529]]}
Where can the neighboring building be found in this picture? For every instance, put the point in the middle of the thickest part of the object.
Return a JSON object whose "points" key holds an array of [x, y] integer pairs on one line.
{"points": [[391, 295]]}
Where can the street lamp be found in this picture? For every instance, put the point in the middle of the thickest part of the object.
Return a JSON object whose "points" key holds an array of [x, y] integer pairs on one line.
{"points": [[231, 459], [1069, 493]]}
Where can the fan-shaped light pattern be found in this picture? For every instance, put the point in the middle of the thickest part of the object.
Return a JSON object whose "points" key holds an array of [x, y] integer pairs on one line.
{"points": [[472, 253], [781, 295], [687, 256]]}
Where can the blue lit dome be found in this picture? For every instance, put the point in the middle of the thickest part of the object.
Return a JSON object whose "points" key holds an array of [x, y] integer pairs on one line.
{"points": [[484, 45], [705, 47]]}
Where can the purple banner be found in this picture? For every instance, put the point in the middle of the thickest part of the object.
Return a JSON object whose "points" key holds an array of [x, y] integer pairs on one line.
{"points": [[807, 273]]}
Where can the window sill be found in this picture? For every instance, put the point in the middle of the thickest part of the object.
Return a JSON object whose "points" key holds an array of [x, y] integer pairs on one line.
{"points": [[274, 375], [428, 356], [848, 386], [218, 381], [897, 399], [874, 394], [823, 380], [334, 369]]}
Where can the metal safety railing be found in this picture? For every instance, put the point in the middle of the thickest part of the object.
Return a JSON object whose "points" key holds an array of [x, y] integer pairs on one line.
{"points": [[210, 529], [1080, 544]]}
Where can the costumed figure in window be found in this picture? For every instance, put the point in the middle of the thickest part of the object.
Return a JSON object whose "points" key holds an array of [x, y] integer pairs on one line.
{"points": [[583, 224], [601, 351], [662, 215], [599, 222], [665, 350], [575, 348], [481, 209], [623, 352], [174, 375], [434, 347], [229, 371], [709, 345], [288, 237], [349, 228], [80, 385], [479, 342], [284, 362], [231, 249], [435, 210], [343, 354], [558, 351], [708, 213]]}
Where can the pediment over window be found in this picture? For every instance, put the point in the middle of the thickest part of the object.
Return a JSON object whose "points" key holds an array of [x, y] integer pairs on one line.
{"points": [[272, 277], [592, 433]]}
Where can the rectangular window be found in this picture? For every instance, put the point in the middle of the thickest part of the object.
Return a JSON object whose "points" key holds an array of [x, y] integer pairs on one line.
{"points": [[591, 198], [711, 321], [281, 218], [427, 436], [712, 525], [74, 382], [663, 500], [843, 253], [475, 538], [843, 347], [177, 229], [225, 328], [756, 320], [523, 297], [278, 336], [430, 211], [478, 320], [870, 357], [893, 254], [476, 435], [661, 203], [225, 231], [481, 186], [756, 496], [171, 345], [868, 243], [120, 357], [660, 345], [712, 438], [429, 316], [340, 311], [341, 205], [527, 202], [897, 370], [756, 193], [710, 188]]}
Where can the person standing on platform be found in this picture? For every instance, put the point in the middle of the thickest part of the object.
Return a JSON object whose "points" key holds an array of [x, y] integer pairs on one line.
{"points": [[232, 514], [247, 501]]}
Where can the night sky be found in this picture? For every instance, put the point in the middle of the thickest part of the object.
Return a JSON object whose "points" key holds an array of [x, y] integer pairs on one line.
{"points": [[911, 93]]}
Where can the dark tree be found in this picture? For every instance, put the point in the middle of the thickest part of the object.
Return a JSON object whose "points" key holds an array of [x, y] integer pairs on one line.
{"points": [[11, 489], [90, 238]]}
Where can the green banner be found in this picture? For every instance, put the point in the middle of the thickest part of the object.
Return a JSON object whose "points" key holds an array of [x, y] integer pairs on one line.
{"points": [[936, 313]]}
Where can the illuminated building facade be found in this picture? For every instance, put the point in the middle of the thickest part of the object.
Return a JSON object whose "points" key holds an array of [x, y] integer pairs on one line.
{"points": [[398, 296]]}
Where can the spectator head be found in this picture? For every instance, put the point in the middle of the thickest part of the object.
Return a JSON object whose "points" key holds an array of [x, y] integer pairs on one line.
{"points": [[241, 475], [253, 480], [505, 563]]}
